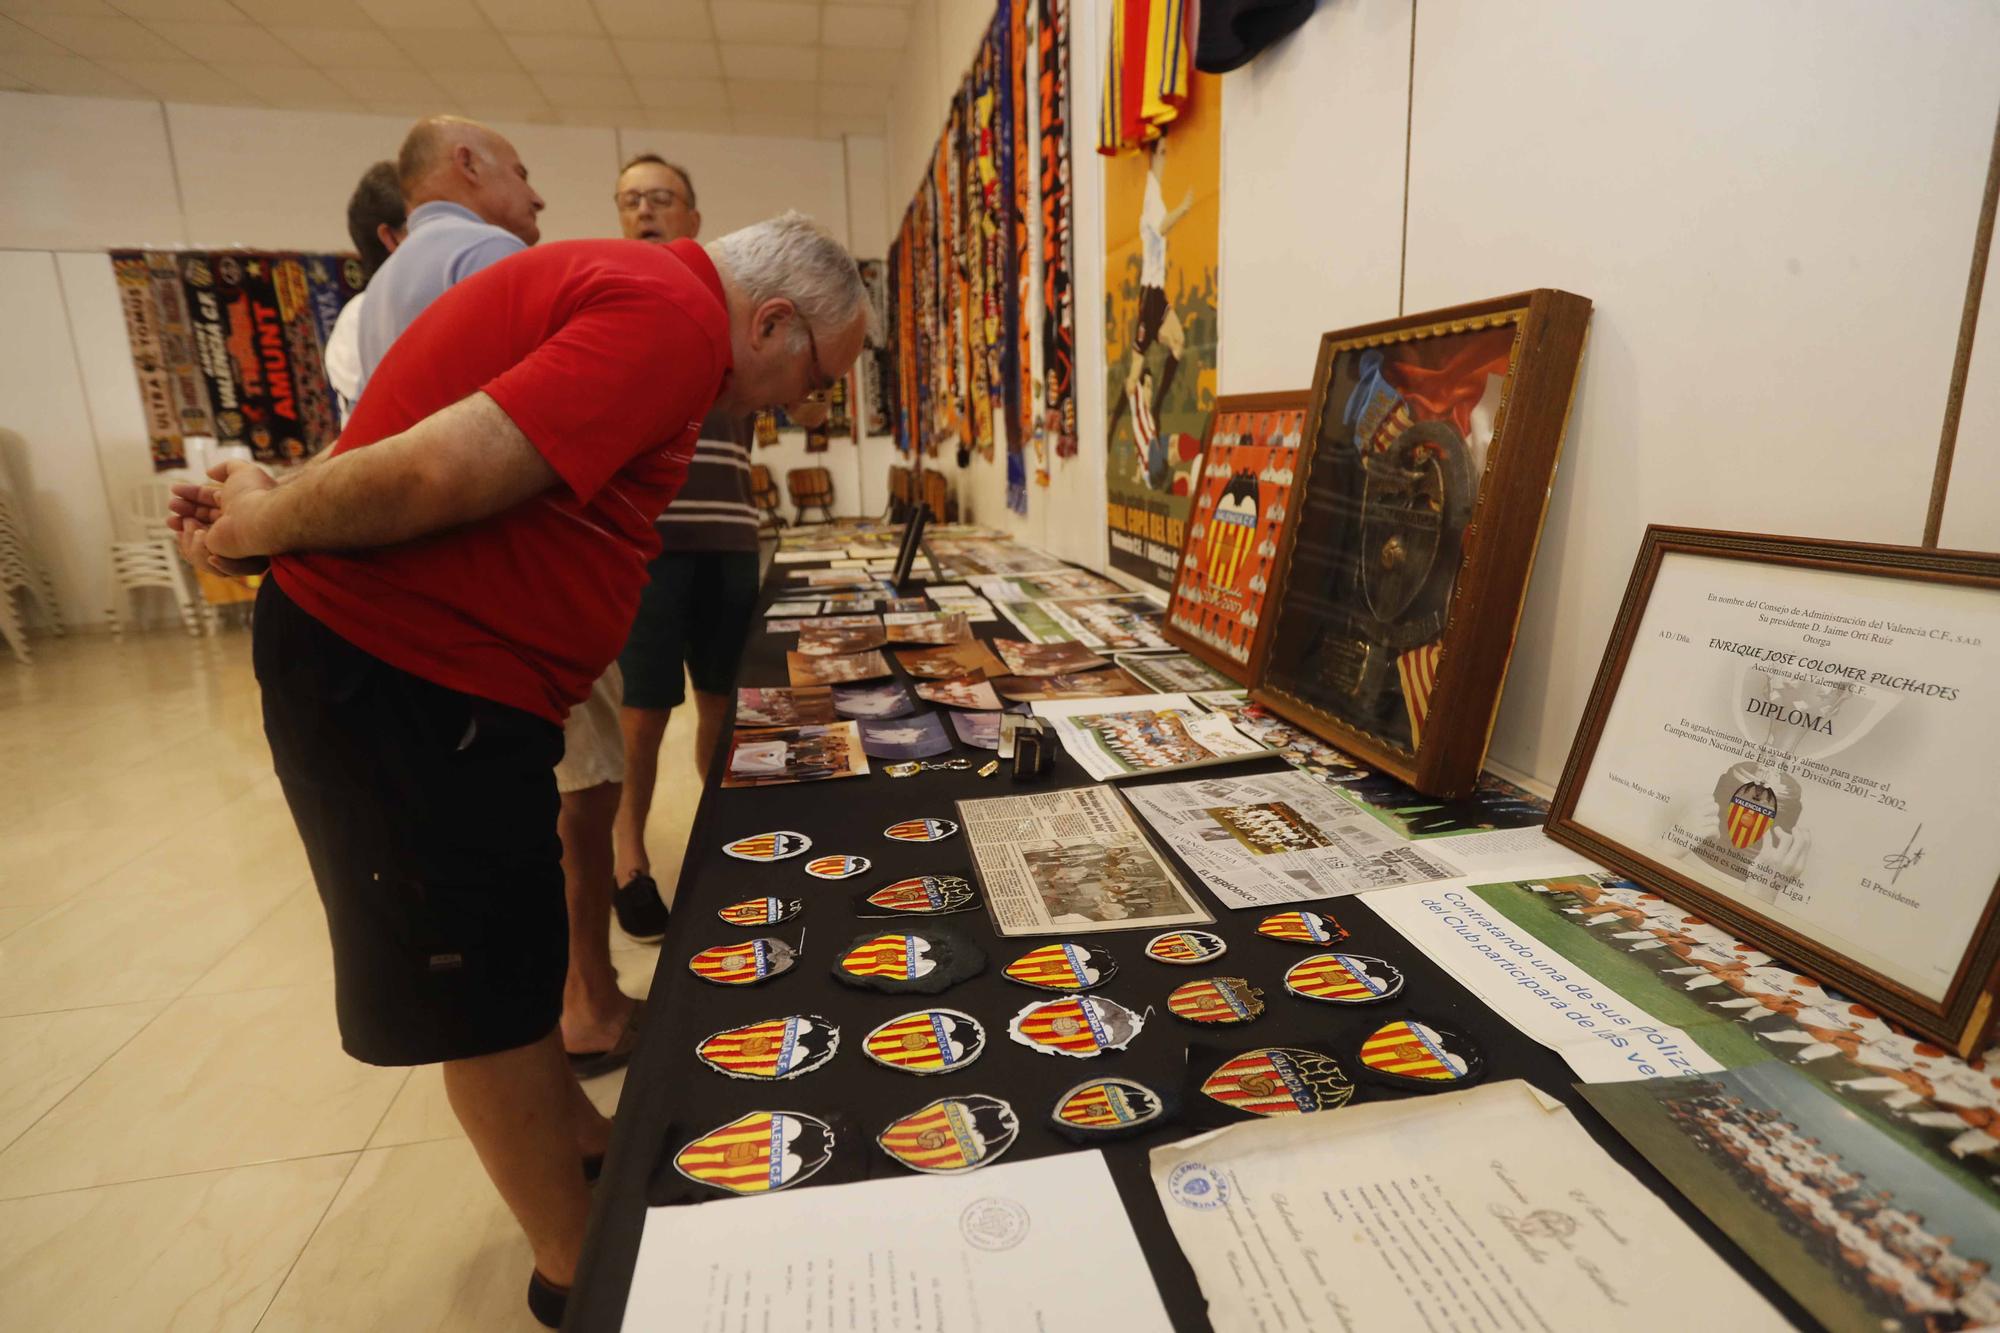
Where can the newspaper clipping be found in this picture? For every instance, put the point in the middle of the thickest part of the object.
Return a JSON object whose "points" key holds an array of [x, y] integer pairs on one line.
{"points": [[1071, 862], [1281, 838]]}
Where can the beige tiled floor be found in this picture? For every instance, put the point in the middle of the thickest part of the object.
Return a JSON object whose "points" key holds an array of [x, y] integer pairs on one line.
{"points": [[183, 1144]]}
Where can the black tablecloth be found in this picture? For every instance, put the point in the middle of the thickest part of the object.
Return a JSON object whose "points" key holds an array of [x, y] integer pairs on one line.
{"points": [[670, 1097]]}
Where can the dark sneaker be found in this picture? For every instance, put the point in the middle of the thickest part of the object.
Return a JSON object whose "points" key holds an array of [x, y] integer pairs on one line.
{"points": [[641, 914], [546, 1301]]}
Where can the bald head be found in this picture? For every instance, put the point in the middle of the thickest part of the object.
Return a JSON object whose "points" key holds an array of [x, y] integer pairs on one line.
{"points": [[459, 161]]}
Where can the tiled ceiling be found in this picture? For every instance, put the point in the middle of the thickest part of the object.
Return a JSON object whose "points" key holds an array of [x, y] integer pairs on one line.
{"points": [[788, 67]]}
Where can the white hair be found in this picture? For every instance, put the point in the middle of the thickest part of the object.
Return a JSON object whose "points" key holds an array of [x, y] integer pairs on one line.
{"points": [[793, 257]]}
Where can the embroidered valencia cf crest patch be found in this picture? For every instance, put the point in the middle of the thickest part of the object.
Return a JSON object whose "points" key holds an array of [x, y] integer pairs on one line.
{"points": [[776, 1048], [1411, 1052], [1343, 978], [929, 1041], [1314, 928], [760, 911], [1280, 1080], [895, 957], [952, 1134], [1076, 1025], [921, 830], [1217, 1000], [837, 867], [759, 1153], [1186, 948], [1063, 967], [776, 846], [743, 964], [921, 895], [1107, 1106]]}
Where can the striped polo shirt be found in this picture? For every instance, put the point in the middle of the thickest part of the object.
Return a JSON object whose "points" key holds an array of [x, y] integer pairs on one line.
{"points": [[713, 510]]}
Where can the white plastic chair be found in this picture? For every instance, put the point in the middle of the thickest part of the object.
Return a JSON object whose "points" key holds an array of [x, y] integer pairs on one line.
{"points": [[153, 561], [22, 571]]}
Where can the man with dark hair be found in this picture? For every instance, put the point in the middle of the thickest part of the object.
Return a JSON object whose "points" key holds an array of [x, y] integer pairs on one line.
{"points": [[376, 224], [655, 200]]}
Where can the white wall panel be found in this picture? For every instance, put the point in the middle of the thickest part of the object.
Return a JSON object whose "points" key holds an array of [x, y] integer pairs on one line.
{"points": [[1774, 227], [739, 180], [275, 180], [81, 173]]}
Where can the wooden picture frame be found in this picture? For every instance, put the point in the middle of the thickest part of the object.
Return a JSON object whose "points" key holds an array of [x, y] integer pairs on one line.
{"points": [[1431, 445], [1216, 608], [1856, 688]]}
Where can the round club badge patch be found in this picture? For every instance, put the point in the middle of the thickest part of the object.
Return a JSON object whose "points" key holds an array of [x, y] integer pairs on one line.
{"points": [[768, 846], [1343, 978], [921, 830], [837, 867], [773, 1049], [1079, 1026], [760, 911], [743, 964], [921, 895], [929, 1041], [1419, 1054], [1217, 1000], [1107, 1106], [761, 1152], [952, 1134], [1186, 947], [1280, 1080], [1063, 967], [1312, 928]]}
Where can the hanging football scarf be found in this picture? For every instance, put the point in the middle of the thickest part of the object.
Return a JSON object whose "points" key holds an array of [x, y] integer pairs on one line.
{"points": [[985, 201], [968, 254], [1003, 309], [317, 420], [156, 395], [1146, 73], [945, 353], [1020, 175], [182, 363], [1058, 246]]}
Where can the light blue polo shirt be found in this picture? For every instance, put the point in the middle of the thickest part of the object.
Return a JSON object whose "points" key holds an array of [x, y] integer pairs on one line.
{"points": [[447, 244]]}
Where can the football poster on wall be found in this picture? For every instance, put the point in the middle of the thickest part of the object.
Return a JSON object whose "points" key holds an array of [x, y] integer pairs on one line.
{"points": [[1161, 212]]}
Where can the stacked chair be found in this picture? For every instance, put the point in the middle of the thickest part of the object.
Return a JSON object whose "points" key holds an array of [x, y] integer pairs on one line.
{"points": [[811, 488], [151, 560], [764, 495], [21, 570]]}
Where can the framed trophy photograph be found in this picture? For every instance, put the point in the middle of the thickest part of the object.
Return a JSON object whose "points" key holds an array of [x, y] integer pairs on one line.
{"points": [[1416, 505], [1796, 740], [1237, 516]]}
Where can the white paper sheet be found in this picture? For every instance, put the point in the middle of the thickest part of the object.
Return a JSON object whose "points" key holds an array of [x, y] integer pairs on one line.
{"points": [[1143, 733], [1041, 1244], [1488, 1209]]}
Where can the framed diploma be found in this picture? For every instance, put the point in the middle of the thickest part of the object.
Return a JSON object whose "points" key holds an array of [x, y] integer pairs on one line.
{"points": [[1231, 548], [1798, 740], [1416, 506]]}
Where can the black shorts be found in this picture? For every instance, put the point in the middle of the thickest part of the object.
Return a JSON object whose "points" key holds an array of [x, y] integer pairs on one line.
{"points": [[1152, 314], [429, 818], [695, 612]]}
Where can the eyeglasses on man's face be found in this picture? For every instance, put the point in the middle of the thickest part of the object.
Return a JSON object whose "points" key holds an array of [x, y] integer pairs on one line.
{"points": [[820, 384], [630, 200]]}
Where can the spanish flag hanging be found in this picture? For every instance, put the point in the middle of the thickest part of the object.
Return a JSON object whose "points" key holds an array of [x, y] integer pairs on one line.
{"points": [[1146, 73]]}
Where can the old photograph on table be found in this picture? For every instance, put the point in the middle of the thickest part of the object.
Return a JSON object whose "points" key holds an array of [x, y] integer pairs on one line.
{"points": [[958, 659], [1124, 623], [1107, 684], [1046, 586], [823, 640], [1071, 862], [1173, 672], [807, 669], [888, 698], [1270, 838], [1147, 733], [1047, 659], [960, 692], [1032, 621], [918, 737], [940, 628], [780, 707], [774, 756]]}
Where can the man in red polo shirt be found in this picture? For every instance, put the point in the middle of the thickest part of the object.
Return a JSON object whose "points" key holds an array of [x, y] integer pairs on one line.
{"points": [[446, 583]]}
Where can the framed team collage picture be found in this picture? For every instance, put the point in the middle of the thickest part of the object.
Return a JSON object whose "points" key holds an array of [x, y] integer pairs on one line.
{"points": [[1238, 514], [1417, 502]]}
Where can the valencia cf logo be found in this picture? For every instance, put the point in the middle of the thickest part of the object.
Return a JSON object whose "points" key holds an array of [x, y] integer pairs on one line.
{"points": [[1280, 1080], [774, 1049], [1232, 529], [952, 1134], [1315, 928], [1421, 1054], [1108, 1106], [1064, 967], [1217, 1000], [1343, 978], [921, 830], [837, 867], [1077, 1025], [762, 1152], [929, 1041], [760, 911], [768, 846], [1751, 811], [923, 895], [892, 957], [743, 964], [1186, 948]]}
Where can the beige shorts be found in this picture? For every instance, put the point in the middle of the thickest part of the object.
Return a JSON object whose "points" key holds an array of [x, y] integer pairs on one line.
{"points": [[593, 745]]}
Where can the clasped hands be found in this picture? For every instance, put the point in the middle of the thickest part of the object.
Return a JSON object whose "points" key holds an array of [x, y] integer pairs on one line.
{"points": [[214, 522]]}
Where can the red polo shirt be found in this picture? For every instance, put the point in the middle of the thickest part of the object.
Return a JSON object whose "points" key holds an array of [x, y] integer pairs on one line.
{"points": [[607, 354]]}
